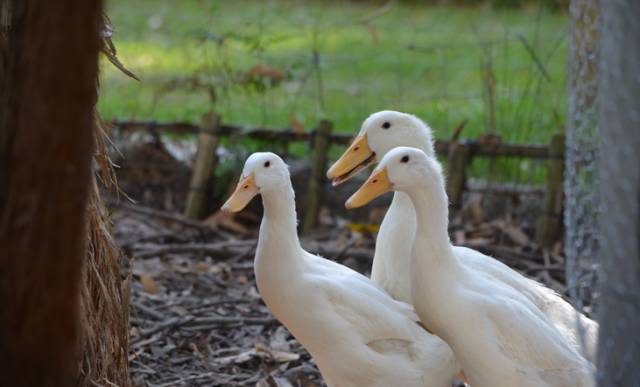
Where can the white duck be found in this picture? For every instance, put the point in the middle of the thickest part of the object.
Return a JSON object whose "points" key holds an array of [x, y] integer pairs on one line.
{"points": [[511, 343], [386, 130], [357, 334]]}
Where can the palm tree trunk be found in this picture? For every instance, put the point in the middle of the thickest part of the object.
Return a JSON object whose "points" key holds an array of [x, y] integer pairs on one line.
{"points": [[48, 72]]}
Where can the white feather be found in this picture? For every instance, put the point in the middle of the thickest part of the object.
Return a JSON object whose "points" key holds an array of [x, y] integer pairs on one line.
{"points": [[500, 337], [391, 268], [357, 334]]}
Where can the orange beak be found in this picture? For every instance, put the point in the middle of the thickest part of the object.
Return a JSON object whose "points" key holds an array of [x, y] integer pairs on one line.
{"points": [[245, 191], [357, 157], [377, 184]]}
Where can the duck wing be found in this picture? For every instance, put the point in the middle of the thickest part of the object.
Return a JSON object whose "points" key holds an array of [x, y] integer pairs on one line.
{"points": [[524, 337]]}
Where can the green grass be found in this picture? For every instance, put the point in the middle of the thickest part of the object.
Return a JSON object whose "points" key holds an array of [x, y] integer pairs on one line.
{"points": [[442, 81]]}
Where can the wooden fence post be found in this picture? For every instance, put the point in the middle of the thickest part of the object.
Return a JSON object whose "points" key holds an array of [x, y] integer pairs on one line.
{"points": [[204, 166], [321, 146], [548, 226], [458, 159]]}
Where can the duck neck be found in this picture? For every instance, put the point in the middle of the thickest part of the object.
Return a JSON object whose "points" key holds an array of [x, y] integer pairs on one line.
{"points": [[432, 245], [278, 244], [392, 257], [279, 258]]}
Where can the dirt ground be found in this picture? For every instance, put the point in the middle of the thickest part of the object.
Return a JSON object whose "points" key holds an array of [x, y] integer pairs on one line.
{"points": [[197, 318]]}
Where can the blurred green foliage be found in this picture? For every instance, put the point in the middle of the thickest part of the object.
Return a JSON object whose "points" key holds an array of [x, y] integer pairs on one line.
{"points": [[557, 5], [500, 68]]}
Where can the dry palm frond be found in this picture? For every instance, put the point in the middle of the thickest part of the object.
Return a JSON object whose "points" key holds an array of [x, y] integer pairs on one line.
{"points": [[109, 49], [106, 276], [104, 304], [105, 286]]}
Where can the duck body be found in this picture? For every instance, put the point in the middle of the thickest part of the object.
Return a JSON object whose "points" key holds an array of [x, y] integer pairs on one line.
{"points": [[392, 270], [510, 342], [353, 343], [357, 334], [579, 330]]}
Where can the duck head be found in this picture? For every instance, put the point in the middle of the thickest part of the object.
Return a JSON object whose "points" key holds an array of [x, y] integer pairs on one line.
{"points": [[380, 132], [263, 172], [399, 170]]}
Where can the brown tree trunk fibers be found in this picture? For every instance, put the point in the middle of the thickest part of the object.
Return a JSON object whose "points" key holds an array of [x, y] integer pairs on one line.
{"points": [[45, 155], [104, 303]]}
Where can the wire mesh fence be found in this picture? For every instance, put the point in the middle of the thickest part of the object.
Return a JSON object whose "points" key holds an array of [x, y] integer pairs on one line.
{"points": [[343, 61], [582, 153], [443, 83]]}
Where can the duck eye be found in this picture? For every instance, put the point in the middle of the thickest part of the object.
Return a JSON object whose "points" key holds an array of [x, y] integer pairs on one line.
{"points": [[267, 164], [404, 159], [386, 125]]}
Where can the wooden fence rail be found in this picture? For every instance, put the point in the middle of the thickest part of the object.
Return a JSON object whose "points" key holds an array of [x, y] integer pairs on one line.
{"points": [[459, 154], [477, 148]]}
